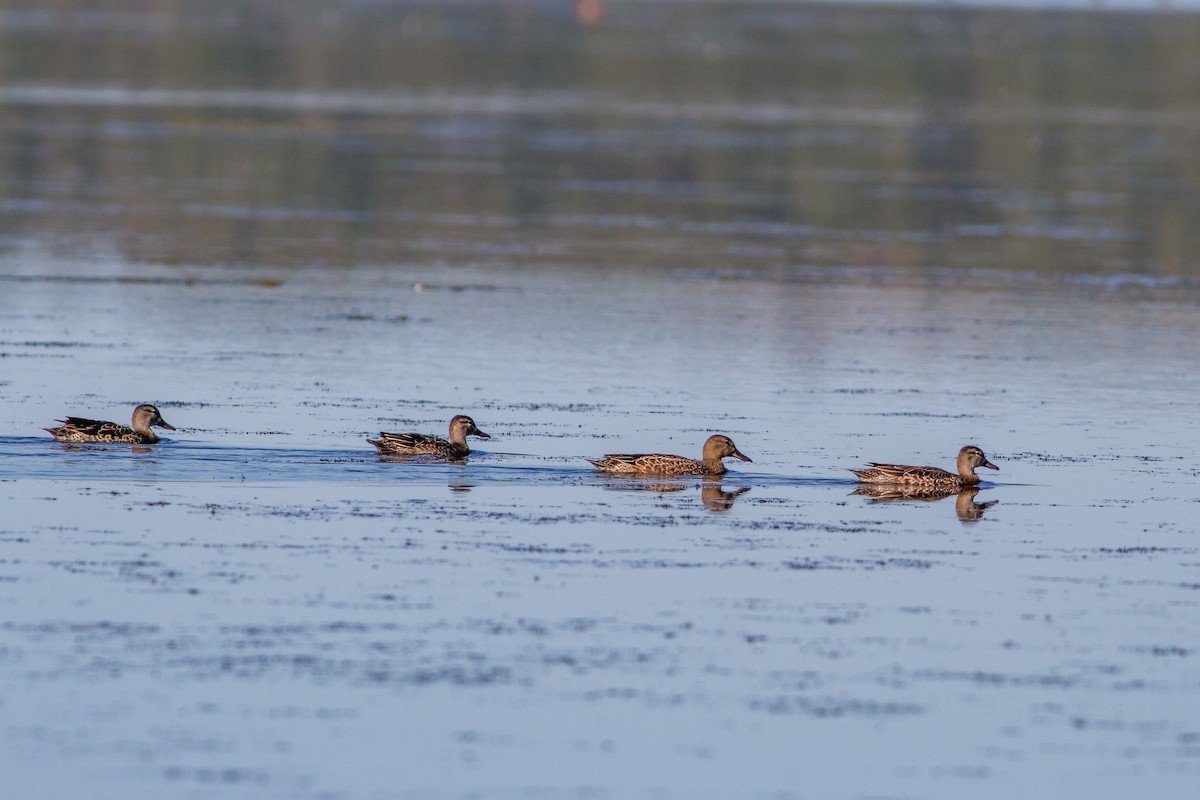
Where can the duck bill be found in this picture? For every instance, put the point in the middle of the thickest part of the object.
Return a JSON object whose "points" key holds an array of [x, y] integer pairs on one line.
{"points": [[162, 423], [742, 456], [989, 465], [480, 434]]}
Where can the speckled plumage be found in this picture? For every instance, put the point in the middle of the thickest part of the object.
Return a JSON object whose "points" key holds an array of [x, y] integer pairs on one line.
{"points": [[716, 448], [418, 444], [969, 458], [79, 429]]}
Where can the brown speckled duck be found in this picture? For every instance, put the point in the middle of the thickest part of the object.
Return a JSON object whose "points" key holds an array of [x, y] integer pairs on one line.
{"points": [[78, 429], [969, 458], [418, 444], [716, 448]]}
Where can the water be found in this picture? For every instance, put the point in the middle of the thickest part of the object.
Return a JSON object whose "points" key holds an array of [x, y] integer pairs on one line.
{"points": [[837, 234]]}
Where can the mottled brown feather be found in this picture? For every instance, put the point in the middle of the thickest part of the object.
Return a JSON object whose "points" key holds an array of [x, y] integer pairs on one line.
{"points": [[969, 458], [716, 448], [80, 429], [418, 444]]}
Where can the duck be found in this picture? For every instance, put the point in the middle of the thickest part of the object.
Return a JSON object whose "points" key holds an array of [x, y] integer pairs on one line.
{"points": [[717, 447], [418, 444], [78, 429], [970, 457]]}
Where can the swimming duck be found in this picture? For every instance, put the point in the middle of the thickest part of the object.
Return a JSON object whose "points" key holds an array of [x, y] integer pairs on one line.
{"points": [[78, 429], [418, 444], [969, 458], [716, 448]]}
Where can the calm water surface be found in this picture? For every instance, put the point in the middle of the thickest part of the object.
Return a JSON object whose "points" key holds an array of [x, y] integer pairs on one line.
{"points": [[835, 234]]}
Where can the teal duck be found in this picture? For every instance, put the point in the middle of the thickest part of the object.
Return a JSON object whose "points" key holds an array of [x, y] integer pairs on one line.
{"points": [[716, 448], [418, 444], [78, 429], [969, 458]]}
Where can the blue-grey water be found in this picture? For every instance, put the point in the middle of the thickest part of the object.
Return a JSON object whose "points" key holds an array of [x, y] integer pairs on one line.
{"points": [[837, 234]]}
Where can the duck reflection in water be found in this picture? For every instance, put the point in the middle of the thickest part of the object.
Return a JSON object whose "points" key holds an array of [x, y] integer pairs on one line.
{"points": [[717, 498], [714, 495], [965, 506], [136, 449]]}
